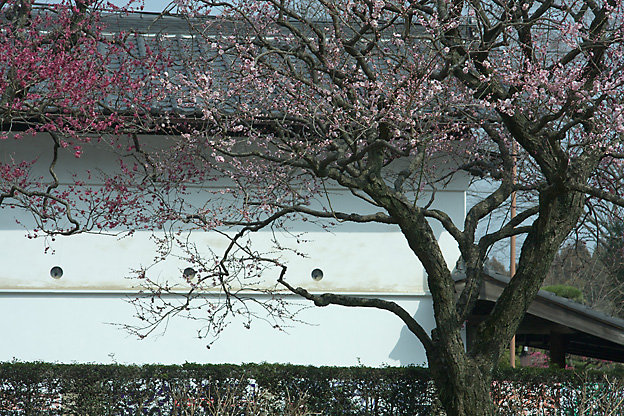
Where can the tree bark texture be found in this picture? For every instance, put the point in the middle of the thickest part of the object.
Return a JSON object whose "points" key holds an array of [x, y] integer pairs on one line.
{"points": [[463, 385]]}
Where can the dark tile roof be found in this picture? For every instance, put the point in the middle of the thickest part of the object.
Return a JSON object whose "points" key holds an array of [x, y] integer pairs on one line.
{"points": [[588, 332]]}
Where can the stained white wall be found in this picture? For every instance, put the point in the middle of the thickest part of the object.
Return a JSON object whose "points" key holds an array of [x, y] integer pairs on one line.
{"points": [[71, 319]]}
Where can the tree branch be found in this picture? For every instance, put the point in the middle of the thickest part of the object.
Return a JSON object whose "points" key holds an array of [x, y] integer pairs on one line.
{"points": [[598, 193], [356, 301]]}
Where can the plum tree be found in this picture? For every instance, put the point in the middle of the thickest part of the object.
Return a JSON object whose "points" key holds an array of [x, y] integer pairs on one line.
{"points": [[385, 100]]}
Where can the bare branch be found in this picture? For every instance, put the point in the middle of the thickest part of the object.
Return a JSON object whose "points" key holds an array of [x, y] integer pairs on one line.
{"points": [[355, 301], [598, 193]]}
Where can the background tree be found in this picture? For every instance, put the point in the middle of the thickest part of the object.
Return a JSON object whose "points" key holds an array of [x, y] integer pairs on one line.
{"points": [[610, 251], [597, 273], [384, 99], [496, 266]]}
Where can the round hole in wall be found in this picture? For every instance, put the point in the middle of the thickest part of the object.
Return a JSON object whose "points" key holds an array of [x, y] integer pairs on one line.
{"points": [[317, 274], [189, 273], [56, 272]]}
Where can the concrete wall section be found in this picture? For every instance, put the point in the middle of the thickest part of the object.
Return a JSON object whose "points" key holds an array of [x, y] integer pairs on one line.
{"points": [[351, 262], [67, 318], [77, 327]]}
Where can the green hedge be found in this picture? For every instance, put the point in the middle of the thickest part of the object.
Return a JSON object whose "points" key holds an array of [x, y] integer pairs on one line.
{"points": [[191, 389], [568, 292]]}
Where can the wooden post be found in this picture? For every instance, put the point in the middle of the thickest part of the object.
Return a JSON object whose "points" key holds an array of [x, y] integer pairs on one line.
{"points": [[512, 250], [557, 350]]}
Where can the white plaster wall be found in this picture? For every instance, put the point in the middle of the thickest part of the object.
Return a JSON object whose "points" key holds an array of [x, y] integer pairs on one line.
{"points": [[68, 319], [70, 328]]}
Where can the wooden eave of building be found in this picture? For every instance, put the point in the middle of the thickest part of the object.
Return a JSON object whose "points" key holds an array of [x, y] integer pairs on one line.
{"points": [[553, 323]]}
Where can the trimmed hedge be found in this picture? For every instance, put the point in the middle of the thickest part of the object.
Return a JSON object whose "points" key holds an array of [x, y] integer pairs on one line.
{"points": [[192, 389]]}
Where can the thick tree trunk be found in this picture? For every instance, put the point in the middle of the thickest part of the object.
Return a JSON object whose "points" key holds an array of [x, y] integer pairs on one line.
{"points": [[463, 379], [463, 384]]}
